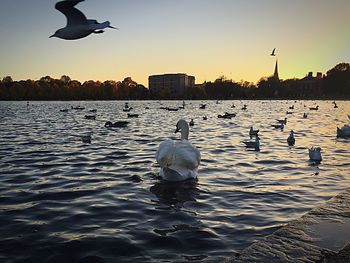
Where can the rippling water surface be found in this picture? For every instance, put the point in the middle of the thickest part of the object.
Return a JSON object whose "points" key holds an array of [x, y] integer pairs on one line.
{"points": [[62, 200]]}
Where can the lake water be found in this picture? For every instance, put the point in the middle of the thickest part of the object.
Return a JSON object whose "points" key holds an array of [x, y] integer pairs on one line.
{"points": [[62, 200]]}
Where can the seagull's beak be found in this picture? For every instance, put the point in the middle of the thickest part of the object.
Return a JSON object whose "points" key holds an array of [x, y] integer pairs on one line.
{"points": [[113, 27]]}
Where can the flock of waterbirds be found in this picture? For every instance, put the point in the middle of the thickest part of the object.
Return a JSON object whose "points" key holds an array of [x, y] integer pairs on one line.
{"points": [[179, 160], [186, 155]]}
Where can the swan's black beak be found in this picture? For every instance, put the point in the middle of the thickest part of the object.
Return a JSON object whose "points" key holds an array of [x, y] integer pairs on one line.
{"points": [[113, 27], [52, 36]]}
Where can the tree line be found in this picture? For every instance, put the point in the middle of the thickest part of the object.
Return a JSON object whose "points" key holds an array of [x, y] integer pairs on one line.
{"points": [[334, 84]]}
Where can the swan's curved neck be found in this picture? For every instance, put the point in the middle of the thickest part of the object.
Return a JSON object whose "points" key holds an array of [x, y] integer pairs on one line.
{"points": [[184, 133]]}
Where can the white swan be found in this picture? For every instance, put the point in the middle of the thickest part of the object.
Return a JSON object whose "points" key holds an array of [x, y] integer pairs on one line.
{"points": [[315, 154], [179, 160]]}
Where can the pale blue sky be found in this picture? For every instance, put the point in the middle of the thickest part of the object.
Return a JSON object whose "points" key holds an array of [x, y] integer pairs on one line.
{"points": [[205, 38]]}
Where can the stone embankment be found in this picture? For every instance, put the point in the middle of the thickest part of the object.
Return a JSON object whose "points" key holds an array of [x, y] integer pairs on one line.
{"points": [[322, 235]]}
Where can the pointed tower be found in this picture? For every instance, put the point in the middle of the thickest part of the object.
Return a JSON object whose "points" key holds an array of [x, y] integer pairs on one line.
{"points": [[275, 74]]}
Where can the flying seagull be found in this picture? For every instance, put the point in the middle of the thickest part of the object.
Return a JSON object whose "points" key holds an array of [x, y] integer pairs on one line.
{"points": [[273, 52], [78, 26]]}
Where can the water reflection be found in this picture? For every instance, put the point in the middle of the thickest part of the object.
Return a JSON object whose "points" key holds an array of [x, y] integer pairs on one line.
{"points": [[175, 193]]}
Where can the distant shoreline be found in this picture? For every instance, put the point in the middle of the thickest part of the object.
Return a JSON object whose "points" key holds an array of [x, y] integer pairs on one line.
{"points": [[245, 99], [335, 85]]}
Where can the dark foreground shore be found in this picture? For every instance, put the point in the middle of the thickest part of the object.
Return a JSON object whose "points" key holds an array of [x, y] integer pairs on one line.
{"points": [[322, 235]]}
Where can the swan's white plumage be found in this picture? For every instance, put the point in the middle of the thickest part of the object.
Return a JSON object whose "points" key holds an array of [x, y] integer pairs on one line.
{"points": [[179, 160]]}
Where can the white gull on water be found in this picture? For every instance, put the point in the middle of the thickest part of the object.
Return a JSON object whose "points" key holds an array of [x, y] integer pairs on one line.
{"points": [[78, 26]]}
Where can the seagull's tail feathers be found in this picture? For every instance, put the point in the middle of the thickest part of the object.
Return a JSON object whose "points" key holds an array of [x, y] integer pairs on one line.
{"points": [[98, 26], [113, 27]]}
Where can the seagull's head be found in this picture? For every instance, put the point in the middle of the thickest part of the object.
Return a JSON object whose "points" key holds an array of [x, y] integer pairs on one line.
{"points": [[57, 33]]}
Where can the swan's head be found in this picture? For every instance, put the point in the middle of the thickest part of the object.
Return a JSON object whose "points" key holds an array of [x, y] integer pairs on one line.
{"points": [[182, 126]]}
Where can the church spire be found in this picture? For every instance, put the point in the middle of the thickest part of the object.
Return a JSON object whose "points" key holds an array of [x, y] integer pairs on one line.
{"points": [[275, 74]]}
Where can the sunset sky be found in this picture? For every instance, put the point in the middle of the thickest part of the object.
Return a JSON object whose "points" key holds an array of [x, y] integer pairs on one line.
{"points": [[204, 38]]}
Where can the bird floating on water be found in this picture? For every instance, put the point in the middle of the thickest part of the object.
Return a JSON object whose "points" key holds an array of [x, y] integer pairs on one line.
{"points": [[133, 115], [253, 144], [191, 122], [253, 132], [278, 126], [126, 107], [343, 132], [90, 117], [118, 124], [304, 115], [284, 121], [179, 160], [227, 115], [291, 139], [78, 26], [86, 138], [315, 154]]}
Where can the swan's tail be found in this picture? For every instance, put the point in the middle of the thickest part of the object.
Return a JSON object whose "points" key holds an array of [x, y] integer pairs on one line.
{"points": [[176, 174]]}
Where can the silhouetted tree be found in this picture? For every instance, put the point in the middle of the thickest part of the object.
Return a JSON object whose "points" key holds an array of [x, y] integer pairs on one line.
{"points": [[222, 88], [269, 87], [335, 84], [7, 79], [65, 79]]}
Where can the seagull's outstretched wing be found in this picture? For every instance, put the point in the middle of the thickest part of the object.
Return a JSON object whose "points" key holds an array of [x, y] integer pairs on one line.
{"points": [[73, 15], [273, 52]]}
